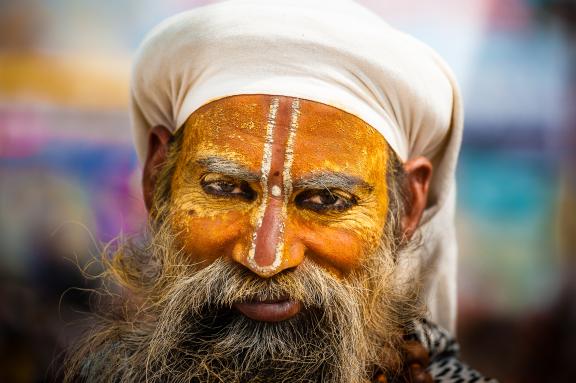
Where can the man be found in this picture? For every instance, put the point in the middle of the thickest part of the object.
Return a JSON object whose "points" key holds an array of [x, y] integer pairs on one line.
{"points": [[298, 233]]}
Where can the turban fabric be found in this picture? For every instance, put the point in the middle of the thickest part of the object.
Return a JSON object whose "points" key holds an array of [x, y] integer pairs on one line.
{"points": [[331, 51]]}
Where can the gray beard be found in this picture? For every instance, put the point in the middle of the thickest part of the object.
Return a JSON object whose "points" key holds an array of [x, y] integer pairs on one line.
{"points": [[183, 327]]}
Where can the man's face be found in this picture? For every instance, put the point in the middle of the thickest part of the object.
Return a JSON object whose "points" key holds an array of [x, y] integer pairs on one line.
{"points": [[268, 181], [272, 258]]}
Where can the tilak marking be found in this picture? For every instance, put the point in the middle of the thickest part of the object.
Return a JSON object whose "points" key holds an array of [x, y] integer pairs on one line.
{"points": [[267, 246], [287, 175], [265, 170]]}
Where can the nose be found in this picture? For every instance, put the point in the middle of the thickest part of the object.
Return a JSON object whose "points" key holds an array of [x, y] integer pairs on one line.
{"points": [[272, 248], [269, 251]]}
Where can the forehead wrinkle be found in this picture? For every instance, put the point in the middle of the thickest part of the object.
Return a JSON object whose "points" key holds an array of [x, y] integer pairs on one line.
{"points": [[330, 179], [227, 167]]}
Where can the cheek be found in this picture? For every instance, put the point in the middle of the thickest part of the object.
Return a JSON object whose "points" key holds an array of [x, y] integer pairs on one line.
{"points": [[208, 238], [336, 248]]}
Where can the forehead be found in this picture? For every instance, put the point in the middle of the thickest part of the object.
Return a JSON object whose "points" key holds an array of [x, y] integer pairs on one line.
{"points": [[325, 138]]}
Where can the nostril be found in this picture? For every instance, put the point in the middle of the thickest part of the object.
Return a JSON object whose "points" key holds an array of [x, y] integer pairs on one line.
{"points": [[288, 270], [246, 270]]}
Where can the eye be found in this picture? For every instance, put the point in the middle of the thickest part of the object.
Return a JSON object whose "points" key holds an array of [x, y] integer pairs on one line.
{"points": [[227, 187], [325, 200]]}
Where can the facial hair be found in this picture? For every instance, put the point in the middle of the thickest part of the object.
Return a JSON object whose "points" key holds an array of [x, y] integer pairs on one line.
{"points": [[177, 322]]}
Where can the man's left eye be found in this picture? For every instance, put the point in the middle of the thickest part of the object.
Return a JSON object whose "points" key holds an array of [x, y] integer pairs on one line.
{"points": [[325, 200], [228, 188]]}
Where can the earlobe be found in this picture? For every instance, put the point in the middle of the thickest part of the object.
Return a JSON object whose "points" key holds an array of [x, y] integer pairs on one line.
{"points": [[419, 174], [158, 141]]}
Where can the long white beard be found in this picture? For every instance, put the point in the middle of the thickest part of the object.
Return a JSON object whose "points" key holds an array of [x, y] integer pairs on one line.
{"points": [[185, 330]]}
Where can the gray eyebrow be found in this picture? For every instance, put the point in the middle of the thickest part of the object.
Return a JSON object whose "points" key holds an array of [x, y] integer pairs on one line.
{"points": [[230, 168], [332, 180]]}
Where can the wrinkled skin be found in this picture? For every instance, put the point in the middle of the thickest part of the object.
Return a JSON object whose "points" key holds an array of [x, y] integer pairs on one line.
{"points": [[269, 182]]}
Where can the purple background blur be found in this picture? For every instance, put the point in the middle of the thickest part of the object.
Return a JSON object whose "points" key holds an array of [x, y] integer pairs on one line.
{"points": [[69, 177]]}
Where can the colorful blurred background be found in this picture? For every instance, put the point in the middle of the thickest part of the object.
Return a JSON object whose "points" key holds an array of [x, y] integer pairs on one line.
{"points": [[69, 177]]}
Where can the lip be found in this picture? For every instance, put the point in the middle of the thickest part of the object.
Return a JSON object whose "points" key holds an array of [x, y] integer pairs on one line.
{"points": [[269, 310]]}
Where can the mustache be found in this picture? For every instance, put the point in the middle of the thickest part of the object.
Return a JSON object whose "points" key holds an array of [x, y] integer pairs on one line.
{"points": [[219, 285]]}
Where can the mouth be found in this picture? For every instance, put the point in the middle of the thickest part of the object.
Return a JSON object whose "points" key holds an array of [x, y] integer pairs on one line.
{"points": [[276, 310]]}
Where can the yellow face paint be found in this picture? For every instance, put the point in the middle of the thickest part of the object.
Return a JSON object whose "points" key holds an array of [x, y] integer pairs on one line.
{"points": [[270, 180]]}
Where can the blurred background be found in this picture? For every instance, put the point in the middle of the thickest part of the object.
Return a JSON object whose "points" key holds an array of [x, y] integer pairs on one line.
{"points": [[69, 177]]}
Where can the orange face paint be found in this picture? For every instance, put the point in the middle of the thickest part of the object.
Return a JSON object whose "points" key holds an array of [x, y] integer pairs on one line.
{"points": [[270, 180]]}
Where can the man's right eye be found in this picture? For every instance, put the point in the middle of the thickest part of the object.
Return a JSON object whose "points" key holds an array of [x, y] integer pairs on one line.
{"points": [[228, 188]]}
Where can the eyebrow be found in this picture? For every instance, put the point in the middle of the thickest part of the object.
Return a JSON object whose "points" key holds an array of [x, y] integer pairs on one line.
{"points": [[227, 167], [332, 180]]}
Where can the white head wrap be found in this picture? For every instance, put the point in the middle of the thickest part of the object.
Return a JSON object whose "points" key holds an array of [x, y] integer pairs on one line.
{"points": [[332, 51]]}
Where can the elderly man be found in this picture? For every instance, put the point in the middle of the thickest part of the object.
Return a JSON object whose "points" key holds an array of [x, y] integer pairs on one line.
{"points": [[298, 233]]}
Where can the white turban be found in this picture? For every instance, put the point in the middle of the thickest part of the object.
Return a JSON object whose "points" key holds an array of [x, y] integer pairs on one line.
{"points": [[332, 51]]}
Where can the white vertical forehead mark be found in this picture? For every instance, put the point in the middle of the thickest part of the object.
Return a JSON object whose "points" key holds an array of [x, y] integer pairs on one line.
{"points": [[287, 175], [265, 174], [289, 156]]}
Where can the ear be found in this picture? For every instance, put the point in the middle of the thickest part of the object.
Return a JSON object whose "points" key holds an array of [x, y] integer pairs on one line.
{"points": [[158, 141], [419, 174]]}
